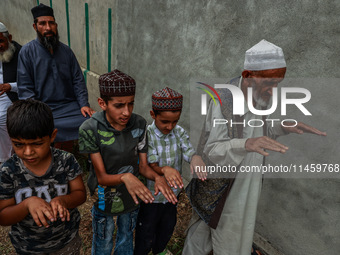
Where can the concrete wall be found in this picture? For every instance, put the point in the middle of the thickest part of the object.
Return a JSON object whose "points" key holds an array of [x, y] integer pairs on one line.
{"points": [[23, 32], [172, 42], [169, 43]]}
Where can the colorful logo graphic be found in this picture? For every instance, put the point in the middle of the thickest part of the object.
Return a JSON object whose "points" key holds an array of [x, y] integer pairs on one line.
{"points": [[204, 97], [239, 99]]}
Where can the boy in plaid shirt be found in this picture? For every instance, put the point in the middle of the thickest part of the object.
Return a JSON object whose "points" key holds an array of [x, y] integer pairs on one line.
{"points": [[168, 145]]}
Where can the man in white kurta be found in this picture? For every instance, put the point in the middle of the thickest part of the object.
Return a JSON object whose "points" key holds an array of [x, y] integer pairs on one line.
{"points": [[5, 143], [264, 68], [8, 86]]}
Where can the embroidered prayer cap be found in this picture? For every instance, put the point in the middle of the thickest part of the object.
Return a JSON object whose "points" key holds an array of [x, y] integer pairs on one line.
{"points": [[116, 84], [264, 56], [3, 28], [42, 10], [167, 99]]}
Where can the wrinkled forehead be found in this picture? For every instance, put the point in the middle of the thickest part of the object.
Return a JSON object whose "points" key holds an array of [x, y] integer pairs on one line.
{"points": [[270, 74], [269, 78], [2, 36], [45, 19]]}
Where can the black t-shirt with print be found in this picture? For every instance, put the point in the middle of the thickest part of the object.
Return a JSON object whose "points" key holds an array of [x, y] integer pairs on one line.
{"points": [[119, 151]]}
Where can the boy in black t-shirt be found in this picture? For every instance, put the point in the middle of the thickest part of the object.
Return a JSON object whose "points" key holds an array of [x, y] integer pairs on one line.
{"points": [[40, 186], [116, 141]]}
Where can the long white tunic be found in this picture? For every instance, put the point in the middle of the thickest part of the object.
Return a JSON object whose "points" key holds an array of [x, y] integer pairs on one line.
{"points": [[5, 102], [234, 232]]}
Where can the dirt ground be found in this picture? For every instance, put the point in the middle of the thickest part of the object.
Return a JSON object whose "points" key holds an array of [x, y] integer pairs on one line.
{"points": [[175, 245]]}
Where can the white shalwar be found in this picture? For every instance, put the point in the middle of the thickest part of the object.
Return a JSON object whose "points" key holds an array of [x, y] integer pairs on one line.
{"points": [[234, 232], [5, 102]]}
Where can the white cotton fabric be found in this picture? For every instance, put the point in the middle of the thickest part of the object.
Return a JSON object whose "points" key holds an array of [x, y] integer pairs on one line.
{"points": [[264, 56], [5, 142], [3, 28]]}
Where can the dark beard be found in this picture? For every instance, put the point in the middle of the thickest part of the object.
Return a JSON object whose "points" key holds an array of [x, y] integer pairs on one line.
{"points": [[49, 42]]}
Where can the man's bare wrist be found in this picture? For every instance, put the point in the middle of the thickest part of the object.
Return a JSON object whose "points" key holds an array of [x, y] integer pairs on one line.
{"points": [[124, 176]]}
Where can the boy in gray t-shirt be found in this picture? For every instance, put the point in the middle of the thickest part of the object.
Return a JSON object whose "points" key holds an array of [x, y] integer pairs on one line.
{"points": [[40, 186]]}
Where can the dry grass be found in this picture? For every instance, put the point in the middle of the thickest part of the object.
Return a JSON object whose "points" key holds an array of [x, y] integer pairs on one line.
{"points": [[175, 245], [5, 244], [176, 242]]}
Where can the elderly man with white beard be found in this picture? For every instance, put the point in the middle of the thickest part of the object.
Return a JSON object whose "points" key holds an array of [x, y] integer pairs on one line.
{"points": [[225, 206], [9, 51]]}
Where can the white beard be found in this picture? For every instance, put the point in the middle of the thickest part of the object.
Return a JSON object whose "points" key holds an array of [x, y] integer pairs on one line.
{"points": [[7, 55], [259, 101]]}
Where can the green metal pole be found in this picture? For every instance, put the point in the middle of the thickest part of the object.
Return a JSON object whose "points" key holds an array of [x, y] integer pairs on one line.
{"points": [[67, 23], [37, 2], [85, 76], [51, 3], [109, 44], [87, 35]]}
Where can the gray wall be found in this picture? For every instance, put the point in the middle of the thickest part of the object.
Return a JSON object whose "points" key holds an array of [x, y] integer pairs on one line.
{"points": [[172, 42], [169, 43]]}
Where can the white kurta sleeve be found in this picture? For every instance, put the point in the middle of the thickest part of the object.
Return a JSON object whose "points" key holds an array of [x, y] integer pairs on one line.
{"points": [[219, 148], [14, 87]]}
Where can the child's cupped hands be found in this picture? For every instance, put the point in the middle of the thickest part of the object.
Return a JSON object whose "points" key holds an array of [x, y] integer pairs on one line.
{"points": [[40, 210], [162, 186], [172, 176], [59, 209]]}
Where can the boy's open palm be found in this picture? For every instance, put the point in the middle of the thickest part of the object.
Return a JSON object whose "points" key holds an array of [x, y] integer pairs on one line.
{"points": [[163, 187], [172, 176], [40, 210], [136, 188]]}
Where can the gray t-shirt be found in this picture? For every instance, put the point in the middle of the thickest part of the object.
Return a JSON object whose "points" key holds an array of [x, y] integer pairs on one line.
{"points": [[16, 181]]}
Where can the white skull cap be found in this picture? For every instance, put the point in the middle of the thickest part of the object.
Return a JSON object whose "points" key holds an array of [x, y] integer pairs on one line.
{"points": [[3, 28], [264, 56]]}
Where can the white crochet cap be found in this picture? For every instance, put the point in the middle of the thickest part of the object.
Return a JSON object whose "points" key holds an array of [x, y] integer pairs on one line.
{"points": [[264, 56], [3, 28]]}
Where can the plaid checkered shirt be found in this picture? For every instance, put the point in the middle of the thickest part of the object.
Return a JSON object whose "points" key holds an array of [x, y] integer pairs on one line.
{"points": [[168, 150]]}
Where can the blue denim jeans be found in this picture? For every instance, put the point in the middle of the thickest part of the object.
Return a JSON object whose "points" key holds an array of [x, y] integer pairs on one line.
{"points": [[103, 228]]}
